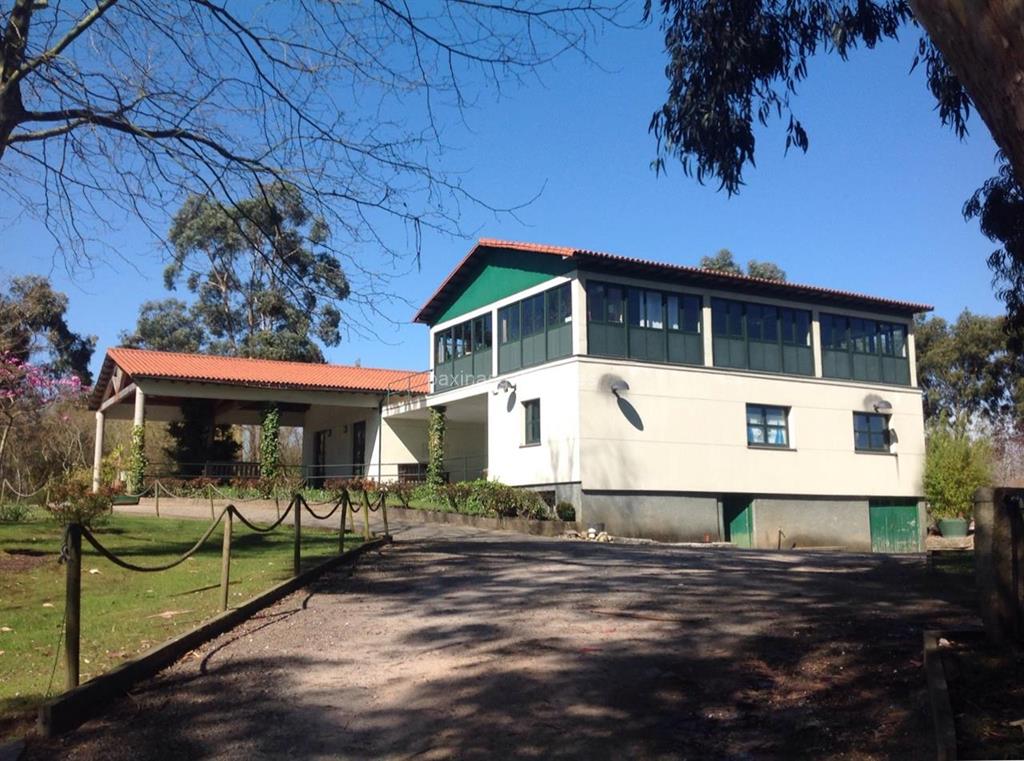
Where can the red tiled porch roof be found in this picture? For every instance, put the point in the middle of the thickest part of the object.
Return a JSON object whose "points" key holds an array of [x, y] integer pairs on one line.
{"points": [[260, 373]]}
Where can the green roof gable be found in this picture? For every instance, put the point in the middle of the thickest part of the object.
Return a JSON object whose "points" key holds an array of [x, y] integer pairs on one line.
{"points": [[500, 273]]}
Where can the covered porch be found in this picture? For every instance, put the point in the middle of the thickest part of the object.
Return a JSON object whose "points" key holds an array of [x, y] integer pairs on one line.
{"points": [[463, 415], [337, 407]]}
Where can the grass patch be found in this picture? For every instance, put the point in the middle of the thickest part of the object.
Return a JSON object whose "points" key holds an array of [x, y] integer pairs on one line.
{"points": [[124, 613]]}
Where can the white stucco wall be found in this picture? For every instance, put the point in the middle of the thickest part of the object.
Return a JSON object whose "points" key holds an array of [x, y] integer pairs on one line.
{"points": [[689, 433], [556, 459], [339, 420]]}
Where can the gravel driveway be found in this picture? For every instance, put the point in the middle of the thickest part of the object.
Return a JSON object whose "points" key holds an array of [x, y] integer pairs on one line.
{"points": [[455, 643]]}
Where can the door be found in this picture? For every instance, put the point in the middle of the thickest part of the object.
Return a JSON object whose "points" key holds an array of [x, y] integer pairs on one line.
{"points": [[894, 526], [358, 447], [738, 520], [319, 459]]}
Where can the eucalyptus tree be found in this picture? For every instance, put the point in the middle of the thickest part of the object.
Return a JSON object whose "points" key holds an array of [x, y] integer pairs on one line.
{"points": [[735, 64]]}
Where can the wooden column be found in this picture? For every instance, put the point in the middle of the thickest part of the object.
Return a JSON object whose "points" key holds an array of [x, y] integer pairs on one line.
{"points": [[97, 452], [73, 603], [140, 407]]}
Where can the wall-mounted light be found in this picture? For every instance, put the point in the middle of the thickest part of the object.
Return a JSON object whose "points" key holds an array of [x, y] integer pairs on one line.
{"points": [[504, 385], [883, 407], [618, 386]]}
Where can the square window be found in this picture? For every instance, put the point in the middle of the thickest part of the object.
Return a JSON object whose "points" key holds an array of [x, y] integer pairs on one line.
{"points": [[531, 421], [871, 432], [767, 426]]}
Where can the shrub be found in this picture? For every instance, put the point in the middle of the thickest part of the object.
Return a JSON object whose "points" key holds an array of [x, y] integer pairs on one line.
{"points": [[497, 499], [565, 511], [199, 486], [73, 501], [955, 467], [457, 495], [402, 490], [15, 512]]}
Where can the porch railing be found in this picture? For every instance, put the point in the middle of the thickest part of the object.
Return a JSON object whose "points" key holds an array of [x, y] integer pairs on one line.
{"points": [[469, 468]]}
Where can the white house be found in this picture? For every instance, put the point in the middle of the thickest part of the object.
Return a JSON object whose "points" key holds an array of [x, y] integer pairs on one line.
{"points": [[662, 401]]}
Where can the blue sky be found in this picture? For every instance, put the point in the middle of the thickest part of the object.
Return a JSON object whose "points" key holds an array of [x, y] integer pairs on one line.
{"points": [[874, 206]]}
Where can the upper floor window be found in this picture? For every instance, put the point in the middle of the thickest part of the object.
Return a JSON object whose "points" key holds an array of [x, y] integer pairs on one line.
{"points": [[767, 426], [605, 303], [683, 312], [861, 348], [462, 353], [764, 337], [870, 432], [644, 323], [535, 329]]}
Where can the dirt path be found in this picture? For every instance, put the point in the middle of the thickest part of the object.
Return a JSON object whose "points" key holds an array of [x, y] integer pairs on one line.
{"points": [[460, 644]]}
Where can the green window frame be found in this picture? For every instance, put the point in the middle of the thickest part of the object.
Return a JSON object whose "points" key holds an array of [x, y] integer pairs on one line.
{"points": [[865, 349], [536, 329], [531, 422], [767, 426], [645, 324], [761, 337], [871, 432], [463, 351]]}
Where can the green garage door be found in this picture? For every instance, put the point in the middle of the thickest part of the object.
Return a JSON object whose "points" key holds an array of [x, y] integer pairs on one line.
{"points": [[738, 518], [894, 526]]}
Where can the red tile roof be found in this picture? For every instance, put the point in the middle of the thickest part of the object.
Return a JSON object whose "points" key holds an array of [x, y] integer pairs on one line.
{"points": [[699, 276], [260, 373]]}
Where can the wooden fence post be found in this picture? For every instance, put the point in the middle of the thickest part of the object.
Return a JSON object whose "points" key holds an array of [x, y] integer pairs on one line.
{"points": [[341, 533], [384, 512], [225, 560], [3, 491], [156, 496], [277, 504], [209, 490], [73, 602], [366, 516], [297, 520]]}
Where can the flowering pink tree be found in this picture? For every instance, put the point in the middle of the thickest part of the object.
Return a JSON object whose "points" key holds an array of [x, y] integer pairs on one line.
{"points": [[35, 404]]}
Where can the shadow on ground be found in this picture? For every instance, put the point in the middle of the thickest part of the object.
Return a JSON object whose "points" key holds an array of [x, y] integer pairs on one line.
{"points": [[495, 647]]}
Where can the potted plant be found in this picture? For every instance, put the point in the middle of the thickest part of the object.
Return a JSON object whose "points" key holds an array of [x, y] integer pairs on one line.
{"points": [[956, 465]]}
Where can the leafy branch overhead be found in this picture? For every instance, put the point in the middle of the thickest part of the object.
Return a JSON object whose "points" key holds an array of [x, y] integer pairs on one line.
{"points": [[736, 64], [137, 106]]}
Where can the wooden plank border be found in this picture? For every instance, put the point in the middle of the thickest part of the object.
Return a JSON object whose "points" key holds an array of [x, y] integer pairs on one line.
{"points": [[72, 708], [938, 697]]}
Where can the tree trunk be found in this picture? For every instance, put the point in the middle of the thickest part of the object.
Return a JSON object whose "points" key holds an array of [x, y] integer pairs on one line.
{"points": [[983, 43], [12, 56]]}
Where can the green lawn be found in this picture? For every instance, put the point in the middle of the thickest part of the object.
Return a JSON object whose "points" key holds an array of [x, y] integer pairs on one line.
{"points": [[123, 613]]}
